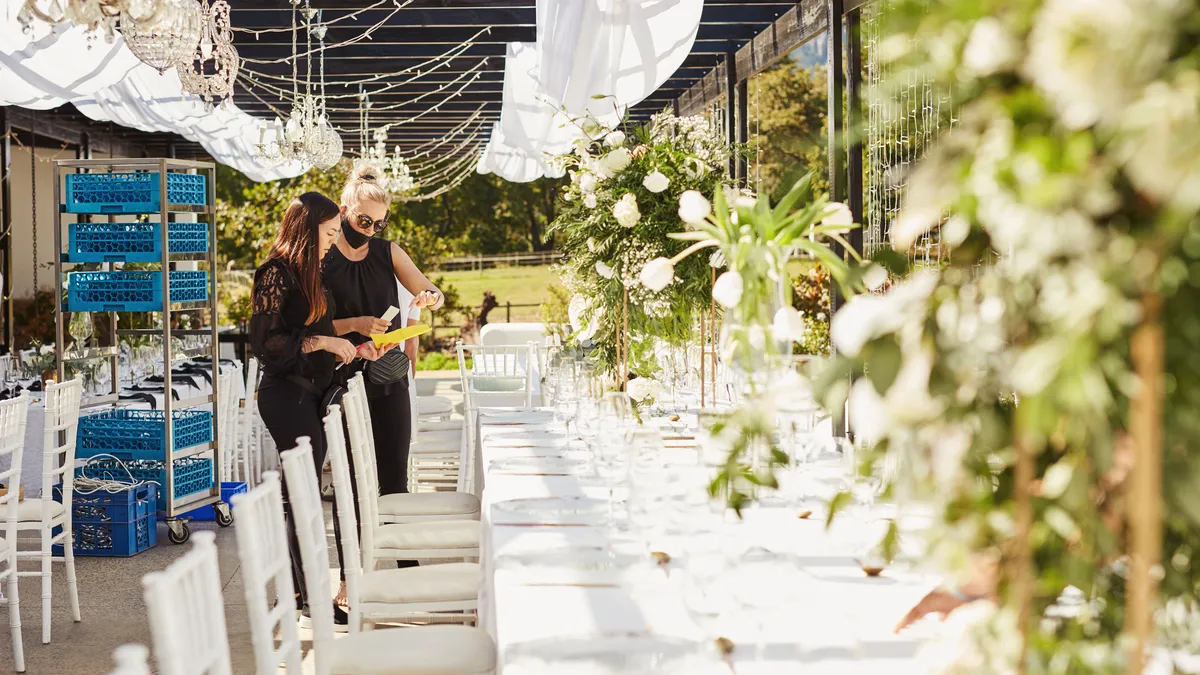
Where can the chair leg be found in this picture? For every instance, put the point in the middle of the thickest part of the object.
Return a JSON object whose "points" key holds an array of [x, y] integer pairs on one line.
{"points": [[14, 621], [47, 585], [72, 585]]}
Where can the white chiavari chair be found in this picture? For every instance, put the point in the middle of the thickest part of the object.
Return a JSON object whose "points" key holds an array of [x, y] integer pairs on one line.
{"points": [[391, 594], [13, 414], [401, 507], [498, 375], [436, 526], [263, 551], [45, 514], [131, 660], [445, 650], [187, 613]]}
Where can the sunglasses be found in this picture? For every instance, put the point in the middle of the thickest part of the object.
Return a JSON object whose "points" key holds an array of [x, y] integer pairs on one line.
{"points": [[367, 222]]}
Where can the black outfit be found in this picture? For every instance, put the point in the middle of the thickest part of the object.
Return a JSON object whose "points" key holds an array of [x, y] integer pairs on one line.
{"points": [[367, 287], [289, 397]]}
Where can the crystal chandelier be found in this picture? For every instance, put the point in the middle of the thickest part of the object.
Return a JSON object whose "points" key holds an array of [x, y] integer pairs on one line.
{"points": [[95, 14], [212, 68], [173, 37], [395, 176]]}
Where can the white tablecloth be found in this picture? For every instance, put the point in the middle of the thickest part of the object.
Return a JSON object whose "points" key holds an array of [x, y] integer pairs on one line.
{"points": [[844, 625]]}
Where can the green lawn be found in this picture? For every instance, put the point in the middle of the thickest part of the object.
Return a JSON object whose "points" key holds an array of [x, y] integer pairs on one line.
{"points": [[516, 285]]}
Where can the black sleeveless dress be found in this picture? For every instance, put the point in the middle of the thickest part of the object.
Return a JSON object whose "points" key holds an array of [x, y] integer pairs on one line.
{"points": [[367, 287]]}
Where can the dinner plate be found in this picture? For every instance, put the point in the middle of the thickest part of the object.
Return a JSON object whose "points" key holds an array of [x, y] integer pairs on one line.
{"points": [[506, 417], [538, 466], [608, 654], [550, 511]]}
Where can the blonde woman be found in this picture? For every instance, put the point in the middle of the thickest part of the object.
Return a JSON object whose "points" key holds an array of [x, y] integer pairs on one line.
{"points": [[361, 272]]}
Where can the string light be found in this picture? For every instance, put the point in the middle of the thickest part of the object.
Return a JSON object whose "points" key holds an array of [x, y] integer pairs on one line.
{"points": [[353, 15], [365, 35]]}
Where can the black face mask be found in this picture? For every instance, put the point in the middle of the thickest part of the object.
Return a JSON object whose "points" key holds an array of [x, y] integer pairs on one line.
{"points": [[352, 236]]}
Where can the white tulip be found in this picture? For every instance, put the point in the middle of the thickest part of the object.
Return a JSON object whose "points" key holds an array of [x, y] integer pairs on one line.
{"points": [[587, 183], [626, 210], [875, 277], [604, 270], [655, 182], [615, 139], [728, 289], [837, 213], [589, 200], [591, 245], [757, 338], [658, 274], [693, 207], [575, 310], [788, 324]]}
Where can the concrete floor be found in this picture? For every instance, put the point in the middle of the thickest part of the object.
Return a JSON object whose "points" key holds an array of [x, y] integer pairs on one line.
{"points": [[111, 602]]}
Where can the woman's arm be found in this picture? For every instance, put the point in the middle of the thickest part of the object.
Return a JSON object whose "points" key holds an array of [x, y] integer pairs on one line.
{"points": [[277, 345], [363, 325], [427, 295]]}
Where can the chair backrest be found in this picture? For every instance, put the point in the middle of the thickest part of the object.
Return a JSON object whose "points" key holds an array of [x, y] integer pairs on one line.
{"points": [[225, 419], [58, 452], [187, 614], [304, 495], [496, 369], [131, 660], [339, 462], [511, 333], [354, 402], [13, 413], [263, 551]]}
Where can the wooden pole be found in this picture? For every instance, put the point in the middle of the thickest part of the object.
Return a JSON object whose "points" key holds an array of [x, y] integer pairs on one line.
{"points": [[1145, 496], [625, 339], [712, 309], [703, 357], [1021, 573]]}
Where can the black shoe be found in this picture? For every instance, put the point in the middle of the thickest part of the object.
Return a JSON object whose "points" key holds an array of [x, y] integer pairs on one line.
{"points": [[341, 620], [401, 564]]}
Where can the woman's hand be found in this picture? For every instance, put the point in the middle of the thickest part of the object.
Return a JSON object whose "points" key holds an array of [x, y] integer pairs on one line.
{"points": [[341, 348], [431, 299], [370, 352], [370, 325]]}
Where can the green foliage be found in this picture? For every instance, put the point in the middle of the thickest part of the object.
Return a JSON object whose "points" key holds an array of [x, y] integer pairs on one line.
{"points": [[554, 312], [813, 301], [439, 361], [787, 116]]}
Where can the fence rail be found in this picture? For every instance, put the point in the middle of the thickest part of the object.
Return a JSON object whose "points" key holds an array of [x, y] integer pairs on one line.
{"points": [[493, 317], [483, 262]]}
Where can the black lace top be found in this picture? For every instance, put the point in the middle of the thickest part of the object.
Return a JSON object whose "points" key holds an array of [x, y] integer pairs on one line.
{"points": [[278, 330]]}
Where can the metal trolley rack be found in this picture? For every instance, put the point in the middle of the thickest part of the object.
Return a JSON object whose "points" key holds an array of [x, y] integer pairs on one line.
{"points": [[172, 508]]}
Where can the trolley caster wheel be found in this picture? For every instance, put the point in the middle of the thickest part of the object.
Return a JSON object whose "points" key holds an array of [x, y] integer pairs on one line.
{"points": [[224, 514], [178, 531]]}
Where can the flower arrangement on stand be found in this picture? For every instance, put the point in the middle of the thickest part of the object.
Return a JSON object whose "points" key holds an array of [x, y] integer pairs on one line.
{"points": [[754, 243], [1041, 388], [621, 207]]}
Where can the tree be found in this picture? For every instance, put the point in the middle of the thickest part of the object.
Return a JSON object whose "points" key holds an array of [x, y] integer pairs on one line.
{"points": [[787, 115]]}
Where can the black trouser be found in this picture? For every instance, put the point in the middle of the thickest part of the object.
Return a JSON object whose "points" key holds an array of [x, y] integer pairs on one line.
{"points": [[290, 412]]}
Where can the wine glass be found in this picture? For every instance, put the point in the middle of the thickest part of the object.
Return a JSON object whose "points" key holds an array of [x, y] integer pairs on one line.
{"points": [[767, 582], [80, 329], [587, 417]]}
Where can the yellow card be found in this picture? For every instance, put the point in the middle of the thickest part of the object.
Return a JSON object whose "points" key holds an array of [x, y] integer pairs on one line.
{"points": [[399, 335]]}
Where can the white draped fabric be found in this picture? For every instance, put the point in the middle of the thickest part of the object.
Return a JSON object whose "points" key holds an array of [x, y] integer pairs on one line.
{"points": [[51, 66], [530, 122], [513, 164], [623, 49]]}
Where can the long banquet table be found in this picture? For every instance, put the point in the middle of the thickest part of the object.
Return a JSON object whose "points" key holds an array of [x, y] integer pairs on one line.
{"points": [[842, 623]]}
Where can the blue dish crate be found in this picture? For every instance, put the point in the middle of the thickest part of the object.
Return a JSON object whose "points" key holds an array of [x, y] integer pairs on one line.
{"points": [[228, 490], [141, 434], [131, 291], [133, 242], [131, 191], [106, 524], [192, 474]]}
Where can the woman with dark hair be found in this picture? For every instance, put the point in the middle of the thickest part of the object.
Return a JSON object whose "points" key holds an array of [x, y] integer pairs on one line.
{"points": [[292, 335]]}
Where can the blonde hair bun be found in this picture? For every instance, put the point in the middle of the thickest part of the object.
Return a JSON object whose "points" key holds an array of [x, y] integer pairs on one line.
{"points": [[363, 186]]}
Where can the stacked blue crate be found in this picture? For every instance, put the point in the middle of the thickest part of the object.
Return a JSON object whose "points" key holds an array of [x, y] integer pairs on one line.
{"points": [[131, 191], [131, 291], [111, 524], [141, 434], [132, 242]]}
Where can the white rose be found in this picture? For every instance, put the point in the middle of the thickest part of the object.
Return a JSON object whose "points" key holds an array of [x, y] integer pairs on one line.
{"points": [[694, 168], [875, 277], [604, 270], [587, 183], [655, 182], [837, 213], [591, 244], [990, 48], [693, 207], [728, 289], [46, 350], [615, 139], [575, 310], [641, 388], [658, 274], [788, 324], [626, 210], [616, 161], [589, 200]]}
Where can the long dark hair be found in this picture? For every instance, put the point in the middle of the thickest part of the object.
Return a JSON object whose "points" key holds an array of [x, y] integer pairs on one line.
{"points": [[298, 245]]}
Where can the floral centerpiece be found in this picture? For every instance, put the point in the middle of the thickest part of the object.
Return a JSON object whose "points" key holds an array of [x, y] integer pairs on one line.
{"points": [[621, 207]]}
